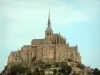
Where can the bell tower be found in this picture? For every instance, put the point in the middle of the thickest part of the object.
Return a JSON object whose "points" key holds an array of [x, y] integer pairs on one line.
{"points": [[48, 31]]}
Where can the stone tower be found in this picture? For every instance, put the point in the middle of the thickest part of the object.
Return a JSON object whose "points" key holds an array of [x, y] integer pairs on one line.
{"points": [[48, 31]]}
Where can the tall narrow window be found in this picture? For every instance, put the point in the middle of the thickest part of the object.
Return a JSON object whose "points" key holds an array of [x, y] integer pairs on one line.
{"points": [[50, 33]]}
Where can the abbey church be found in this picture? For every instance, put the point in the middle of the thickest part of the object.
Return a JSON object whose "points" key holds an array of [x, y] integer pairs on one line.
{"points": [[52, 48]]}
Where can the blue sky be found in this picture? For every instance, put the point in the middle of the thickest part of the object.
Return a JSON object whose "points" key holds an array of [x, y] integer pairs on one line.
{"points": [[24, 20]]}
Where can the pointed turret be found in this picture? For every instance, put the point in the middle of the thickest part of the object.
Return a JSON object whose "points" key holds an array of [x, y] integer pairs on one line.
{"points": [[49, 32], [49, 23], [49, 28]]}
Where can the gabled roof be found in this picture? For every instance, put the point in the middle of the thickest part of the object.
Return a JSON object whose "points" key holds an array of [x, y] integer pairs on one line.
{"points": [[37, 41]]}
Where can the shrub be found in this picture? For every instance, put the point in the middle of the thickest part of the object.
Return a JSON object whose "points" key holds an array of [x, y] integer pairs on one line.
{"points": [[47, 65], [69, 60], [18, 69], [33, 59], [54, 71], [42, 72], [65, 67], [81, 66], [56, 64], [96, 71]]}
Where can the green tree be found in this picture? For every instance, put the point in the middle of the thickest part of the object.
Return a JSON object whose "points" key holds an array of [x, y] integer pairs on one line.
{"points": [[47, 65], [18, 69], [37, 72], [56, 64], [66, 68], [81, 66], [69, 60], [96, 71], [42, 72], [33, 59], [29, 73], [55, 71]]}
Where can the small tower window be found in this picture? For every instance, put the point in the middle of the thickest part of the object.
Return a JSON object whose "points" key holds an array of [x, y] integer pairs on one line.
{"points": [[47, 33], [50, 33]]}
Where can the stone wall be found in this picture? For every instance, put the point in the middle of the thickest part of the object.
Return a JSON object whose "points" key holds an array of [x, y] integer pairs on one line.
{"points": [[48, 53], [45, 52]]}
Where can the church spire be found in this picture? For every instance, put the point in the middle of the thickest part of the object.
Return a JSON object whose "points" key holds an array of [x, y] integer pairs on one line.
{"points": [[49, 28], [49, 23]]}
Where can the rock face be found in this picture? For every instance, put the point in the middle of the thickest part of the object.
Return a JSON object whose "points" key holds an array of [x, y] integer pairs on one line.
{"points": [[52, 48]]}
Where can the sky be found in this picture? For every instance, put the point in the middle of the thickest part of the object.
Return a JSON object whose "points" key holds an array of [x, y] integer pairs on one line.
{"points": [[77, 20]]}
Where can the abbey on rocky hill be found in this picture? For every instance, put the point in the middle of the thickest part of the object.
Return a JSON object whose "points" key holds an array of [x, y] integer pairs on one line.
{"points": [[52, 48]]}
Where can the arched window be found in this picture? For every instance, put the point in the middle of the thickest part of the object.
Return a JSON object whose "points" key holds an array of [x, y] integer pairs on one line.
{"points": [[47, 33], [50, 33]]}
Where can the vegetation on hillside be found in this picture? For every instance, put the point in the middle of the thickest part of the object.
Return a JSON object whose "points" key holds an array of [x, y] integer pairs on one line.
{"points": [[39, 67]]}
